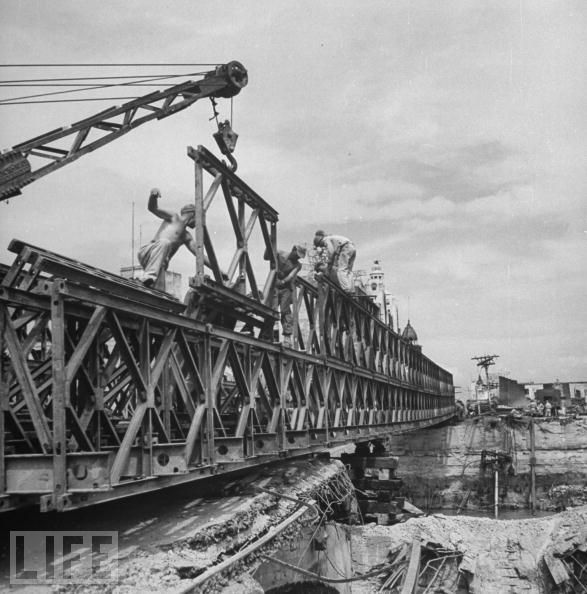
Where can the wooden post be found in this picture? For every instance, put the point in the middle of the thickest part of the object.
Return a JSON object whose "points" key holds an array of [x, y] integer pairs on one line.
{"points": [[496, 490]]}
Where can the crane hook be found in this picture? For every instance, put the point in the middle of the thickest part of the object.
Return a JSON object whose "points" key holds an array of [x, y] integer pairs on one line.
{"points": [[226, 139]]}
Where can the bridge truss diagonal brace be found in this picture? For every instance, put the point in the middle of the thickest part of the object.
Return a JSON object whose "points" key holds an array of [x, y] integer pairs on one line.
{"points": [[27, 384]]}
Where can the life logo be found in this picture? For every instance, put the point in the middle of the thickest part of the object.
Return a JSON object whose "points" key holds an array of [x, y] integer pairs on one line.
{"points": [[63, 557]]}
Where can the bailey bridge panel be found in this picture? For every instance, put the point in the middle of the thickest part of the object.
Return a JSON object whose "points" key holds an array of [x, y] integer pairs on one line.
{"points": [[109, 389]]}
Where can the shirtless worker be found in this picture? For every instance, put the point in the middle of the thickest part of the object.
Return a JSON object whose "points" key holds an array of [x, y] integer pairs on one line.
{"points": [[340, 257], [154, 257]]}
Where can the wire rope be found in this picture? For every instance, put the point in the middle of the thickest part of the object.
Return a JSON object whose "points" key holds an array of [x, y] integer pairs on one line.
{"points": [[91, 88], [87, 99], [66, 78], [107, 65], [132, 83]]}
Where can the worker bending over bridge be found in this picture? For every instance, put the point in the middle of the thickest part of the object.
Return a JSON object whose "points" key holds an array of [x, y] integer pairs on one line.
{"points": [[340, 256]]}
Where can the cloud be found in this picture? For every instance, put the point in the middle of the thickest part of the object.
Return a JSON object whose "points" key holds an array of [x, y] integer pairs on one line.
{"points": [[447, 140]]}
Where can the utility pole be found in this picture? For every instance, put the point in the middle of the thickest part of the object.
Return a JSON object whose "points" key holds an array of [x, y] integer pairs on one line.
{"points": [[532, 467], [484, 362]]}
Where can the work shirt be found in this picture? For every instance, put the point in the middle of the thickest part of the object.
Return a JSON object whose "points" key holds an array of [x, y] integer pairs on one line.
{"points": [[284, 264], [334, 243]]}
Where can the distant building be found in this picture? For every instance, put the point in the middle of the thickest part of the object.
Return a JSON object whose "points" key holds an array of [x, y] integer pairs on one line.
{"points": [[375, 288], [531, 390], [510, 392], [564, 393], [578, 391], [501, 390], [173, 280]]}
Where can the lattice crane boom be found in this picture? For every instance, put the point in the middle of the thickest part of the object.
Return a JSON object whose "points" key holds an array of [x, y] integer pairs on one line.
{"points": [[64, 145]]}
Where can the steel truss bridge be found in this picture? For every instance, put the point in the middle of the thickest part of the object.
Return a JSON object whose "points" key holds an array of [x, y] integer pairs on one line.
{"points": [[110, 389]]}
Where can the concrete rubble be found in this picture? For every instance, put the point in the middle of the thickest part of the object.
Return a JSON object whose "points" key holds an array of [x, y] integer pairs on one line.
{"points": [[477, 555], [172, 564]]}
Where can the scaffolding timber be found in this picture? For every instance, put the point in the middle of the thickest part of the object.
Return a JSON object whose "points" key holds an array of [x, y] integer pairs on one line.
{"points": [[110, 389]]}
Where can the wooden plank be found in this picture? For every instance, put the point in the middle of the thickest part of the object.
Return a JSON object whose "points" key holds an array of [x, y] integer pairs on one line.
{"points": [[411, 579], [390, 462], [412, 509], [557, 569]]}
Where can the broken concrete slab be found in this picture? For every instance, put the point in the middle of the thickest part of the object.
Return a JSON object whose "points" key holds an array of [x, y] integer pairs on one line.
{"points": [[534, 556]]}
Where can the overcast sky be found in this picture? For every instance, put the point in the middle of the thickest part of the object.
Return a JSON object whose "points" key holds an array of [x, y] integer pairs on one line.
{"points": [[447, 139]]}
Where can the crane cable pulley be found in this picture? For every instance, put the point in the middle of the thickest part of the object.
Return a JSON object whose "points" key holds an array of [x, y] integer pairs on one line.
{"points": [[226, 137]]}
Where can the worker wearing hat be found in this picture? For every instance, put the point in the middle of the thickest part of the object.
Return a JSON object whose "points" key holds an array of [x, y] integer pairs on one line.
{"points": [[288, 267], [154, 257]]}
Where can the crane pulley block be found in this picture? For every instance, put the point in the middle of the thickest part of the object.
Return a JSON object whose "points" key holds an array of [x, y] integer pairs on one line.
{"points": [[236, 77]]}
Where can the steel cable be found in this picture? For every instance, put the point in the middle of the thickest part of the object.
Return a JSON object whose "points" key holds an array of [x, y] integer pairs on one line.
{"points": [[90, 88]]}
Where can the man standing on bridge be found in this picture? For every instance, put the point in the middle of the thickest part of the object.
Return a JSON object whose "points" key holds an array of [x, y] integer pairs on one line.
{"points": [[288, 267], [154, 257], [340, 257]]}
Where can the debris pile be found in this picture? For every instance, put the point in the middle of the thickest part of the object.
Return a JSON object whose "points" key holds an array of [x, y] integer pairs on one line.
{"points": [[474, 555], [421, 564], [566, 558], [257, 519]]}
